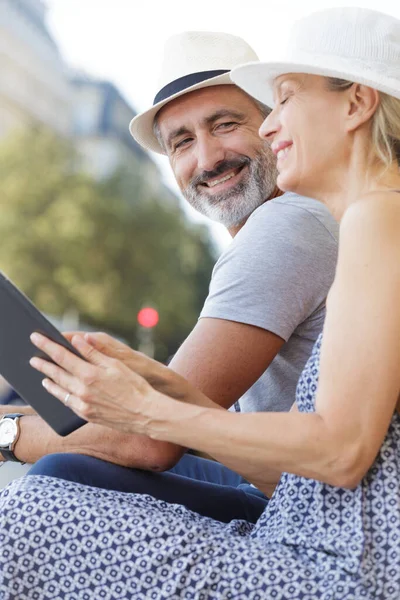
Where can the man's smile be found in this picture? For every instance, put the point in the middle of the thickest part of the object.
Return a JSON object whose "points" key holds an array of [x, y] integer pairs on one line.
{"points": [[224, 181]]}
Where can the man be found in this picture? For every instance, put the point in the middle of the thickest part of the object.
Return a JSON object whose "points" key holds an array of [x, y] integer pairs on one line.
{"points": [[266, 303]]}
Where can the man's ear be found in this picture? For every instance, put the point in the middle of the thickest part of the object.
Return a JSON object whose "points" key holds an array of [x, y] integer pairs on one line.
{"points": [[363, 101]]}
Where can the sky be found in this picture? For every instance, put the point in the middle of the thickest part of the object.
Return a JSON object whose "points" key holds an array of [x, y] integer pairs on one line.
{"points": [[122, 40]]}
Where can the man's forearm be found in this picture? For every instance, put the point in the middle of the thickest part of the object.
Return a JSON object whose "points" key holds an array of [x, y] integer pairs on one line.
{"points": [[37, 439], [23, 409]]}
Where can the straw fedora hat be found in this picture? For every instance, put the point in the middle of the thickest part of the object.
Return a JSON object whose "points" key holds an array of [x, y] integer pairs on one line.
{"points": [[192, 60], [356, 44]]}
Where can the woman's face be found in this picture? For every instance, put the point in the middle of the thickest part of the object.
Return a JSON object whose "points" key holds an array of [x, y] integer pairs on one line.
{"points": [[307, 133]]}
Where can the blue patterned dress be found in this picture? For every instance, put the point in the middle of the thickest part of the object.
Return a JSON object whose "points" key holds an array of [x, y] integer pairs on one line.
{"points": [[66, 541]]}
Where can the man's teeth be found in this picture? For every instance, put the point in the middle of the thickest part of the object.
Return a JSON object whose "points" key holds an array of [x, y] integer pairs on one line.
{"points": [[283, 152], [217, 181]]}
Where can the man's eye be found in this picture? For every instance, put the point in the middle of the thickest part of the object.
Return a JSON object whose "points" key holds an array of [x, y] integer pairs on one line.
{"points": [[284, 100], [182, 143], [226, 125]]}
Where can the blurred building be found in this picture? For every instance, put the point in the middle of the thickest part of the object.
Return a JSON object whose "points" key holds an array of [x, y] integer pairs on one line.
{"points": [[34, 84], [100, 126]]}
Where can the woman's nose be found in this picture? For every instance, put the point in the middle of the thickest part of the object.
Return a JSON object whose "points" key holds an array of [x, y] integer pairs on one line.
{"points": [[269, 127]]}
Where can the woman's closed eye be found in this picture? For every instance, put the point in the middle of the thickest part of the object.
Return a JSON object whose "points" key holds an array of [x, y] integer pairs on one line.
{"points": [[285, 93]]}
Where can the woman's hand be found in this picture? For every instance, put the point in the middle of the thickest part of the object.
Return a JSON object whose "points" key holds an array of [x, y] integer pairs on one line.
{"points": [[100, 389], [160, 377]]}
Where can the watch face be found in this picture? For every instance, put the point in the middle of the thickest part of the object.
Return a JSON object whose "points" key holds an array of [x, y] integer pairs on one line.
{"points": [[8, 432]]}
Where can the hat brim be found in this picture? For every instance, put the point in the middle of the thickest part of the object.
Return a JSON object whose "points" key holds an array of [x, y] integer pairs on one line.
{"points": [[257, 78], [141, 126]]}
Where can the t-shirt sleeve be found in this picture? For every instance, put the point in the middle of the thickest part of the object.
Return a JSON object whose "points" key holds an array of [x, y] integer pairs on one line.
{"points": [[276, 272]]}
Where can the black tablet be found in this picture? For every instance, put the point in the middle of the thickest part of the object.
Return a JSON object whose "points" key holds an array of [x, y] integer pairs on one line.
{"points": [[18, 319]]}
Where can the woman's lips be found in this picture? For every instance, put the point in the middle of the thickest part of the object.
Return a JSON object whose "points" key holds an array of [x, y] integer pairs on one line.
{"points": [[277, 147]]}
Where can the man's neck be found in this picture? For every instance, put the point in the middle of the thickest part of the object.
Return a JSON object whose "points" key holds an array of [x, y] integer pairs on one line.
{"points": [[236, 228]]}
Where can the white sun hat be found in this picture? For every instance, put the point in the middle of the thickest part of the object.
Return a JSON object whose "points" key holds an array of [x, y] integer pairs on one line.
{"points": [[355, 44], [192, 60]]}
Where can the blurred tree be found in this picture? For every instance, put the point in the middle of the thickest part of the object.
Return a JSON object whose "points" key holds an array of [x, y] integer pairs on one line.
{"points": [[103, 249]]}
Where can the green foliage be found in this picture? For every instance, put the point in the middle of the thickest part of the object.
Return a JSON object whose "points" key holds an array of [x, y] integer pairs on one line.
{"points": [[104, 249]]}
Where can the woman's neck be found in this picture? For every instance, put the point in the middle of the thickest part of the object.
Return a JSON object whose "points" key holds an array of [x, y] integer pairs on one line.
{"points": [[359, 181]]}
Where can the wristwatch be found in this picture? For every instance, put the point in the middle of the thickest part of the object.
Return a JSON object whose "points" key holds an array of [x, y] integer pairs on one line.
{"points": [[9, 434]]}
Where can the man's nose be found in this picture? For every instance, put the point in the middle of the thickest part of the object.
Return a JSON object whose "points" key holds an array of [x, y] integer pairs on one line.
{"points": [[210, 152]]}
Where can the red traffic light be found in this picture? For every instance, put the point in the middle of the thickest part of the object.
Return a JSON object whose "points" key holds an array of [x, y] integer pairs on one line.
{"points": [[147, 317]]}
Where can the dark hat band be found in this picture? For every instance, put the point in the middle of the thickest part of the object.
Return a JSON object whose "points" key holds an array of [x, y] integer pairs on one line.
{"points": [[185, 82]]}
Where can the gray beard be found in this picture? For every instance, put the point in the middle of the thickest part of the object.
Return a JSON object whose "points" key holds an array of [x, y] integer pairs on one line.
{"points": [[236, 205]]}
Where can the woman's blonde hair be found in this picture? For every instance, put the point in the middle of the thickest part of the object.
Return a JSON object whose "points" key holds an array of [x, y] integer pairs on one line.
{"points": [[385, 123]]}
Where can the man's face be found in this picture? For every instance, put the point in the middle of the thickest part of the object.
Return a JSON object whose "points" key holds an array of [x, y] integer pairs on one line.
{"points": [[222, 167]]}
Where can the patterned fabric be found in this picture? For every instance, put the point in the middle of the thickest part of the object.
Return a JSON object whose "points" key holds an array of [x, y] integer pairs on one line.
{"points": [[62, 540]]}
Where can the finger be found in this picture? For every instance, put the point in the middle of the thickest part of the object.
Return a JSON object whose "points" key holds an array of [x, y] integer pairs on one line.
{"points": [[91, 354], [70, 334], [54, 372], [74, 402], [60, 355], [113, 348], [105, 344]]}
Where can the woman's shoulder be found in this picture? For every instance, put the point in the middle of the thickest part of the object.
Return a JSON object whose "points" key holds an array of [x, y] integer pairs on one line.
{"points": [[373, 212], [371, 225]]}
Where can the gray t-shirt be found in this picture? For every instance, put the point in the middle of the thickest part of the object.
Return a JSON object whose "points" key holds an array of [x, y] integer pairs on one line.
{"points": [[276, 274]]}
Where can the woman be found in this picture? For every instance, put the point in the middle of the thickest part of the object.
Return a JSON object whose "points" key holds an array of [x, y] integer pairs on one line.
{"points": [[332, 528]]}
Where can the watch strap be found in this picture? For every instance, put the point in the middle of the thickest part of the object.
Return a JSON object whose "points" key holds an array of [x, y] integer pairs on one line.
{"points": [[9, 454], [12, 416]]}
